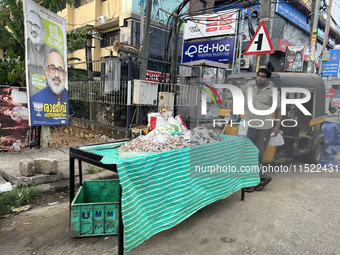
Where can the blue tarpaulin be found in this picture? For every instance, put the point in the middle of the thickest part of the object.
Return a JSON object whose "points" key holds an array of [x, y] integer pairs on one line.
{"points": [[332, 145]]}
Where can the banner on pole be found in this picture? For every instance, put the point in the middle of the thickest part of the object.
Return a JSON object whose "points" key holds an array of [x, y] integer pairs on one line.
{"points": [[46, 66]]}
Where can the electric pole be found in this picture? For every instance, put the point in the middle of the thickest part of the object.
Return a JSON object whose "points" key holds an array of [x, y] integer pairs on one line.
{"points": [[173, 76], [145, 48], [141, 26], [265, 10], [313, 35]]}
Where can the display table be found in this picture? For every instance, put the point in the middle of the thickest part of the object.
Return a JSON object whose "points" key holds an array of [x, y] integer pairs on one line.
{"points": [[160, 190]]}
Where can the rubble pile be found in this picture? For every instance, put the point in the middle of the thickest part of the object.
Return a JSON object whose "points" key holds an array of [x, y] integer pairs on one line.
{"points": [[202, 136], [154, 142]]}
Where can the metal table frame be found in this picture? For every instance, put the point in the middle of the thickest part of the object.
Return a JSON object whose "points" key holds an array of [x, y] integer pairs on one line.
{"points": [[94, 159]]}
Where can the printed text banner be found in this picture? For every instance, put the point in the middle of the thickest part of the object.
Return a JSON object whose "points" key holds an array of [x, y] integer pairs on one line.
{"points": [[46, 66]]}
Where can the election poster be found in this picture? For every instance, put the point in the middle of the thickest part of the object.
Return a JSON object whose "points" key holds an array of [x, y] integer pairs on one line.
{"points": [[15, 133], [46, 66], [294, 58]]}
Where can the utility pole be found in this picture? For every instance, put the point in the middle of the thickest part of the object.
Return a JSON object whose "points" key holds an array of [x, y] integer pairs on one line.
{"points": [[141, 30], [265, 11], [88, 55], [173, 76], [325, 39], [313, 35], [240, 35], [145, 48]]}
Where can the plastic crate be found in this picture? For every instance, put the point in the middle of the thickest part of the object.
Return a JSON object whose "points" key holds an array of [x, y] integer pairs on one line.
{"points": [[95, 209]]}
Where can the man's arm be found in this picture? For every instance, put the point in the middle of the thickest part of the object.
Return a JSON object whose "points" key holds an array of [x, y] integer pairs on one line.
{"points": [[278, 116]]}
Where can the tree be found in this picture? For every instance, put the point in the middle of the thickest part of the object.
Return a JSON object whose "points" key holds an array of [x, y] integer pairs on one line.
{"points": [[12, 36], [76, 39]]}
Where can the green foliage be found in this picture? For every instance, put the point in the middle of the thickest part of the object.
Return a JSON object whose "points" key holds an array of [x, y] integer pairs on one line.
{"points": [[12, 36], [12, 70], [12, 29], [76, 39], [79, 109], [56, 5], [19, 196], [76, 75]]}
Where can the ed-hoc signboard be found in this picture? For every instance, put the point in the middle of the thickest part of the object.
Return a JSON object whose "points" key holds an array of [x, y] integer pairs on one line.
{"points": [[46, 67], [217, 50]]}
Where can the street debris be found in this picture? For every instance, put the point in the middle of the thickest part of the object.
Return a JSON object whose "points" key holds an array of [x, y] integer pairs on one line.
{"points": [[5, 187], [203, 136], [154, 142], [21, 209], [55, 203]]}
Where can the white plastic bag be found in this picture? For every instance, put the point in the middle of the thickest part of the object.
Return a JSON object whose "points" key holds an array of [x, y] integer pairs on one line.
{"points": [[276, 140], [156, 122], [5, 187], [166, 115], [153, 114], [167, 128]]}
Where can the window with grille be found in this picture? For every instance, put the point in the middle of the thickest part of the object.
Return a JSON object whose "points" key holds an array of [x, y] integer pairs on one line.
{"points": [[114, 35]]}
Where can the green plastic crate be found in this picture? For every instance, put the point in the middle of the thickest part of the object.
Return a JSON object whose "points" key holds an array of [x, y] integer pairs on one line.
{"points": [[95, 209]]}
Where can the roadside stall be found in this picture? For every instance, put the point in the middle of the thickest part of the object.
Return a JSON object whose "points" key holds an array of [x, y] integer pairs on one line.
{"points": [[158, 190]]}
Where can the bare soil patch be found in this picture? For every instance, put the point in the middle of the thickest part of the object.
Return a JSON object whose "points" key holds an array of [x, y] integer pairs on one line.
{"points": [[59, 138]]}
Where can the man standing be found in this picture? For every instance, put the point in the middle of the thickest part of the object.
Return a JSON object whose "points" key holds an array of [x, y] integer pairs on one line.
{"points": [[53, 100], [262, 99], [37, 50]]}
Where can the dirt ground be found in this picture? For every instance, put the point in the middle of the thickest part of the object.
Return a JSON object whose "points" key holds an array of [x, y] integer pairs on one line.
{"points": [[60, 138], [44, 230]]}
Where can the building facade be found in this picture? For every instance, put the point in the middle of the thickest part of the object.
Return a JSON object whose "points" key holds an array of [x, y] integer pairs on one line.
{"points": [[119, 20], [289, 26]]}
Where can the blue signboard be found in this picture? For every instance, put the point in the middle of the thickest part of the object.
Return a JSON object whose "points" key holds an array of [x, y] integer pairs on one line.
{"points": [[337, 93], [218, 50], [331, 68], [293, 14]]}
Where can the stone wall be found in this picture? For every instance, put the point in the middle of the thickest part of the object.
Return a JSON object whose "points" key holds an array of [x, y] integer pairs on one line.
{"points": [[87, 129]]}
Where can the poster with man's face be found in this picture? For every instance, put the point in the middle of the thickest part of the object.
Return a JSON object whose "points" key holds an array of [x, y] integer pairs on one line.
{"points": [[46, 66], [294, 58]]}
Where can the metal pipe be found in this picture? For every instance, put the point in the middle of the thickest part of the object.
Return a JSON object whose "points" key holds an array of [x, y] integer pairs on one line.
{"points": [[129, 94], [235, 44], [240, 40]]}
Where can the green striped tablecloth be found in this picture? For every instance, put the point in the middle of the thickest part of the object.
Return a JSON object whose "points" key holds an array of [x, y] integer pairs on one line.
{"points": [[160, 190]]}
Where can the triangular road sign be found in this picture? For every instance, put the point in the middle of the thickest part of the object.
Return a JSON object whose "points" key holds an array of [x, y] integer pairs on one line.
{"points": [[261, 43]]}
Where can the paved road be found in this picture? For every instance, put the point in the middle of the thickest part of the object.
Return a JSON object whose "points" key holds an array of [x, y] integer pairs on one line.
{"points": [[291, 216], [298, 213]]}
